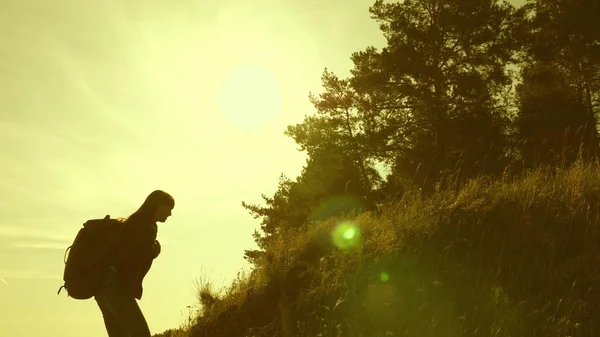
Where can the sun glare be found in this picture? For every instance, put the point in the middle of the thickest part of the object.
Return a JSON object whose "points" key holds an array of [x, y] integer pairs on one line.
{"points": [[250, 96]]}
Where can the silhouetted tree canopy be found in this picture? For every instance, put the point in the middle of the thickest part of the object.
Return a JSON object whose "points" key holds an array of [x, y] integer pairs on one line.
{"points": [[330, 184], [560, 93], [462, 88]]}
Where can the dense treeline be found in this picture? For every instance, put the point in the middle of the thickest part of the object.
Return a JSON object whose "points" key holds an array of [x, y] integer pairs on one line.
{"points": [[462, 89]]}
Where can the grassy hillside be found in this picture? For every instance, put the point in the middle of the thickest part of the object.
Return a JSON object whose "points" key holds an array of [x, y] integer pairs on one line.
{"points": [[514, 257]]}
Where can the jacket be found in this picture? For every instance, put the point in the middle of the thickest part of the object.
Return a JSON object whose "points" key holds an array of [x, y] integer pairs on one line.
{"points": [[135, 249]]}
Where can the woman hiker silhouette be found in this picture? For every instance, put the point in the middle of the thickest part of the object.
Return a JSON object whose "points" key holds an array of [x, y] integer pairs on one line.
{"points": [[136, 248]]}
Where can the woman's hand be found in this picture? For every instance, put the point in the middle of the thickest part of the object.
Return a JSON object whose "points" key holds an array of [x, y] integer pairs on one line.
{"points": [[137, 290], [156, 249]]}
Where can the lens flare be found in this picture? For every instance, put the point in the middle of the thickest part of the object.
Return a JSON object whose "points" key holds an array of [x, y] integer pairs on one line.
{"points": [[345, 235], [384, 277], [349, 233]]}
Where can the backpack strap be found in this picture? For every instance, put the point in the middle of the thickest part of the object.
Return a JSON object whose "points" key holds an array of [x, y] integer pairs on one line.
{"points": [[64, 286], [65, 256]]}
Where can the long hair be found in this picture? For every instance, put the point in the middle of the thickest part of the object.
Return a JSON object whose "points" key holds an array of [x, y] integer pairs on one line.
{"points": [[154, 199]]}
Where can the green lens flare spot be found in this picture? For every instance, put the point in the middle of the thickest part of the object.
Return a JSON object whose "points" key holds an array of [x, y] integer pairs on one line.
{"points": [[345, 235], [384, 277], [349, 233]]}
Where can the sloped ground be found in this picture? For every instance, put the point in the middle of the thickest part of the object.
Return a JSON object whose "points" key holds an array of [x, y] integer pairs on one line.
{"points": [[516, 257]]}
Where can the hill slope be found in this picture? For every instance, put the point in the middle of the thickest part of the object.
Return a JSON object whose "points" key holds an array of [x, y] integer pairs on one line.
{"points": [[515, 257]]}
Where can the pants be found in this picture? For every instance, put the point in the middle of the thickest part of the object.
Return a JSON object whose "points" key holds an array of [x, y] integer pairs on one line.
{"points": [[122, 315]]}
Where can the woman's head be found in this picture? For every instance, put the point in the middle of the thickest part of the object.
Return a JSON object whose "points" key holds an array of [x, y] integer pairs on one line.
{"points": [[157, 206]]}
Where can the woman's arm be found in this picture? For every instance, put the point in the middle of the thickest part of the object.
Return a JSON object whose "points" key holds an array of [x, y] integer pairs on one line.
{"points": [[144, 269]]}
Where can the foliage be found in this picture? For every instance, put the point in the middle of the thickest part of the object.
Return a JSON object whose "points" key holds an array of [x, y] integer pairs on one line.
{"points": [[485, 117], [510, 256]]}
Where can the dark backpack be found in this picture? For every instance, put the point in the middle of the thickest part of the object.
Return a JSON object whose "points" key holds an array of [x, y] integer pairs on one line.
{"points": [[88, 255]]}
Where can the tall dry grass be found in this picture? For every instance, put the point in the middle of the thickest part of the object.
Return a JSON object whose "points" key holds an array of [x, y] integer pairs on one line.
{"points": [[494, 257]]}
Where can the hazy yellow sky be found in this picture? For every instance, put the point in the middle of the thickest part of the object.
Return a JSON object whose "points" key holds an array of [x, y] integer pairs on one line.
{"points": [[103, 101]]}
